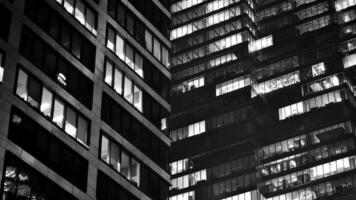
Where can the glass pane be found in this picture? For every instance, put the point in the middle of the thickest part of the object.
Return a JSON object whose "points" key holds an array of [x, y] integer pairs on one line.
{"points": [[68, 5], [79, 11], [138, 98], [114, 156], [104, 149], [83, 128], [135, 172], [125, 165], [110, 42], [128, 90], [118, 81], [148, 39], [120, 47], [71, 122], [108, 73], [129, 57], [58, 113], [34, 93], [90, 20], [21, 88], [157, 49], [46, 102], [138, 65]]}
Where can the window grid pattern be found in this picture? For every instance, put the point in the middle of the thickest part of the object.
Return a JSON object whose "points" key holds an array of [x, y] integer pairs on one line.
{"points": [[260, 44], [205, 66], [188, 180], [277, 83], [180, 166], [232, 85], [314, 24], [309, 175], [81, 12], [207, 21], [241, 182], [277, 67], [313, 10], [251, 195], [184, 196], [123, 85], [210, 48], [125, 52], [120, 160], [275, 10], [323, 84], [309, 104], [201, 10], [343, 4], [188, 131], [189, 85], [53, 108]]}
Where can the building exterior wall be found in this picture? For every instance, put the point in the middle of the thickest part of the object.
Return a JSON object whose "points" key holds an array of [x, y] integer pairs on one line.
{"points": [[54, 81]]}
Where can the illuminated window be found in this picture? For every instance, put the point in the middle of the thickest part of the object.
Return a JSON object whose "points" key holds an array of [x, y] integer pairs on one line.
{"points": [[318, 69], [232, 85], [349, 60], [1, 67], [343, 4], [260, 44]]}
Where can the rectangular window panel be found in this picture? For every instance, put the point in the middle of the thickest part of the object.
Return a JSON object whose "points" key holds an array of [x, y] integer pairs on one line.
{"points": [[137, 98], [129, 57], [58, 113], [148, 40], [138, 65], [114, 156], [71, 122], [120, 47], [157, 49], [1, 68], [80, 11], [34, 93], [90, 20], [21, 88], [104, 154], [125, 165], [135, 172], [118, 81], [110, 42], [46, 102], [108, 73], [128, 90], [83, 130], [69, 6]]}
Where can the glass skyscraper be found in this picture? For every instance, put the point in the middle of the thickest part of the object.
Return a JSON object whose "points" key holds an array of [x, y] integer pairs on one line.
{"points": [[263, 102]]}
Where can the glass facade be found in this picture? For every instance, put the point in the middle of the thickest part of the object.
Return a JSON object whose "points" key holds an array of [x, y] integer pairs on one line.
{"points": [[263, 100]]}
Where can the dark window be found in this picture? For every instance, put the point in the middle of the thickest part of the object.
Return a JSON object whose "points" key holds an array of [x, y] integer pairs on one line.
{"points": [[61, 31], [5, 19], [59, 70], [37, 141], [108, 189], [123, 123], [21, 181]]}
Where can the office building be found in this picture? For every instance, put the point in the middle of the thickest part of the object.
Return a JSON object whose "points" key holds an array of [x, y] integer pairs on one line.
{"points": [[84, 99], [263, 102]]}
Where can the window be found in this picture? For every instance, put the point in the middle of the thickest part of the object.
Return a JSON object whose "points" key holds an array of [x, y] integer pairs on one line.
{"points": [[277, 83], [232, 85], [156, 49], [114, 155], [48, 149], [1, 66], [189, 85], [318, 69], [148, 40], [120, 83], [56, 67], [343, 4], [188, 131], [18, 182], [260, 44], [309, 104], [52, 107], [82, 12], [349, 60]]}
